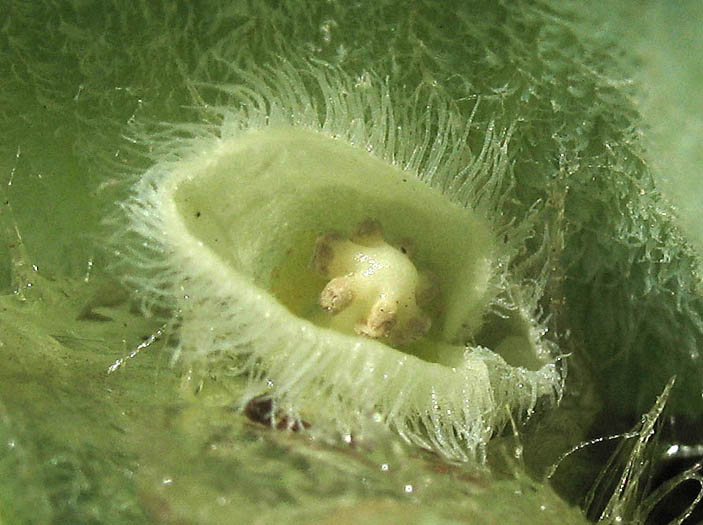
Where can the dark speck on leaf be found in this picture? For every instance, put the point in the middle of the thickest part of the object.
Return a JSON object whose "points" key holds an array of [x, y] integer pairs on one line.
{"points": [[258, 410]]}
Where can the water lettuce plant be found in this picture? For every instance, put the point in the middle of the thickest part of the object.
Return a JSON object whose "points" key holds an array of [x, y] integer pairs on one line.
{"points": [[529, 168]]}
